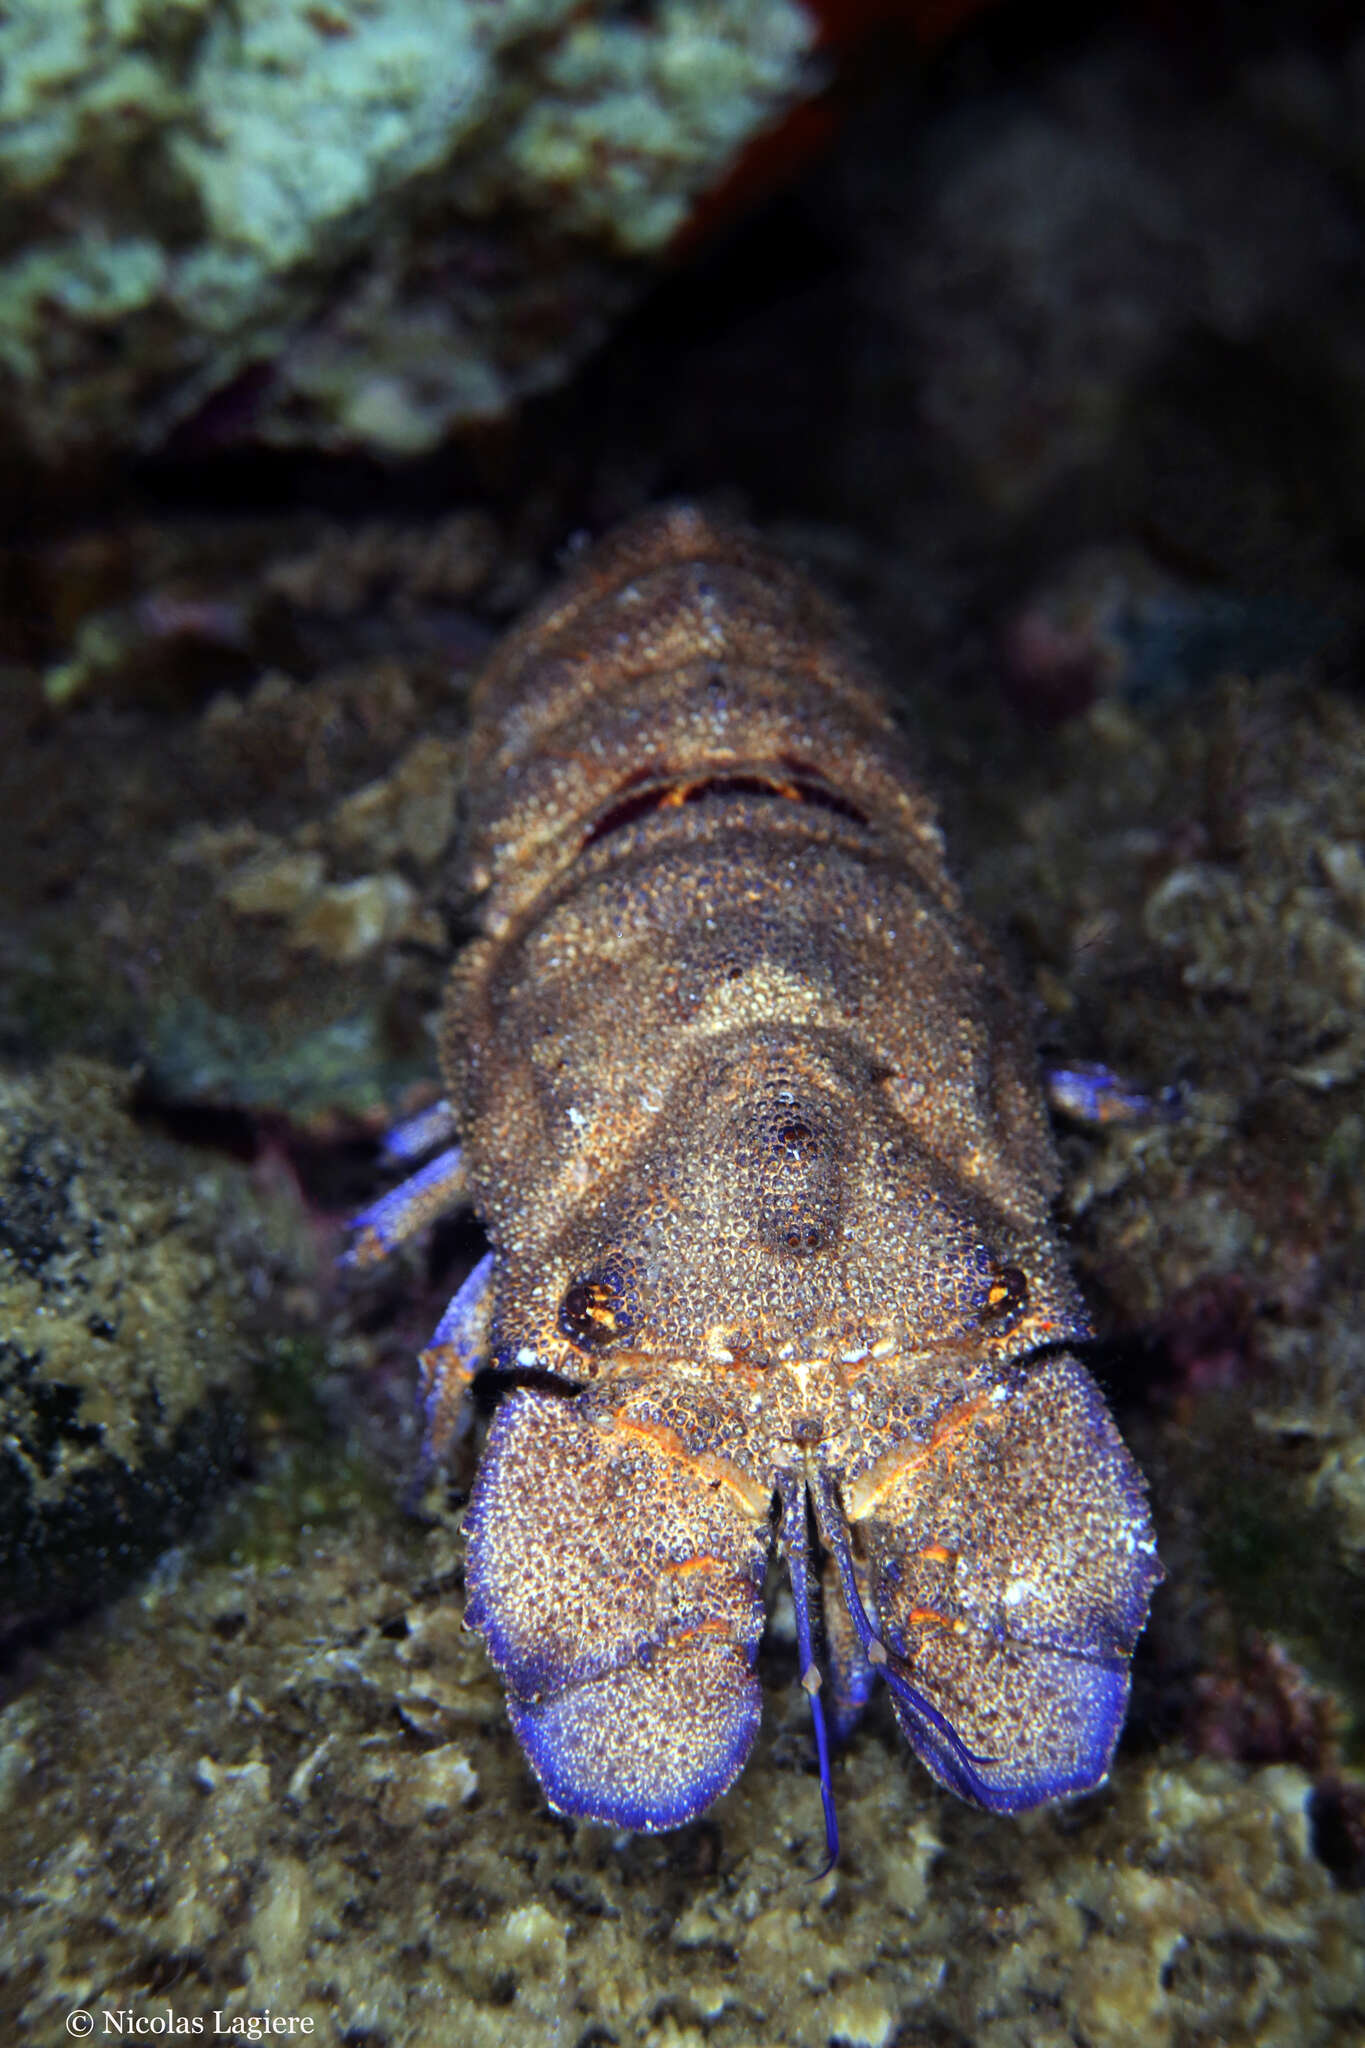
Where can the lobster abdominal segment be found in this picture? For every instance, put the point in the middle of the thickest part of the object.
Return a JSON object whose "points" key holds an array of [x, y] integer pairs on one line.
{"points": [[750, 1115]]}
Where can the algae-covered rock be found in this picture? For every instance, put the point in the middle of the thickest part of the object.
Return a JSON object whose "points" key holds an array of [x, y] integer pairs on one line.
{"points": [[123, 1373], [239, 888], [369, 222]]}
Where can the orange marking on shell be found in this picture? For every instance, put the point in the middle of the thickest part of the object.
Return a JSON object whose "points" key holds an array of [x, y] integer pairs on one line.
{"points": [[701, 1628], [658, 1436], [711, 1470], [929, 1617], [866, 1493], [934, 1553]]}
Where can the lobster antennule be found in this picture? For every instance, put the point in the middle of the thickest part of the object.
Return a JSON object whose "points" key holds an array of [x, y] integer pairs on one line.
{"points": [[956, 1764], [938, 1739], [795, 1544]]}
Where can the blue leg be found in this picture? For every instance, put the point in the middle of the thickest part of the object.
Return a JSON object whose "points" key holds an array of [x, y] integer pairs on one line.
{"points": [[794, 1542], [417, 1135], [1094, 1094], [458, 1347], [406, 1209]]}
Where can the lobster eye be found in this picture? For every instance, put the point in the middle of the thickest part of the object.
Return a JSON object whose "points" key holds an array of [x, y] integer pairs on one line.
{"points": [[596, 1310], [1006, 1296]]}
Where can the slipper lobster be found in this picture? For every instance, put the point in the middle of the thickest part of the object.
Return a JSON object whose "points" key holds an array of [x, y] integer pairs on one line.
{"points": [[750, 1115]]}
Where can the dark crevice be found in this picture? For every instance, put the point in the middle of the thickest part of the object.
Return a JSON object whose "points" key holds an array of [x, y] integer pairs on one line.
{"points": [[788, 786]]}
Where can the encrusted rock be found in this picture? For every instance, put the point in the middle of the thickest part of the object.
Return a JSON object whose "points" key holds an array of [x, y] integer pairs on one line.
{"points": [[122, 1372], [363, 223]]}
